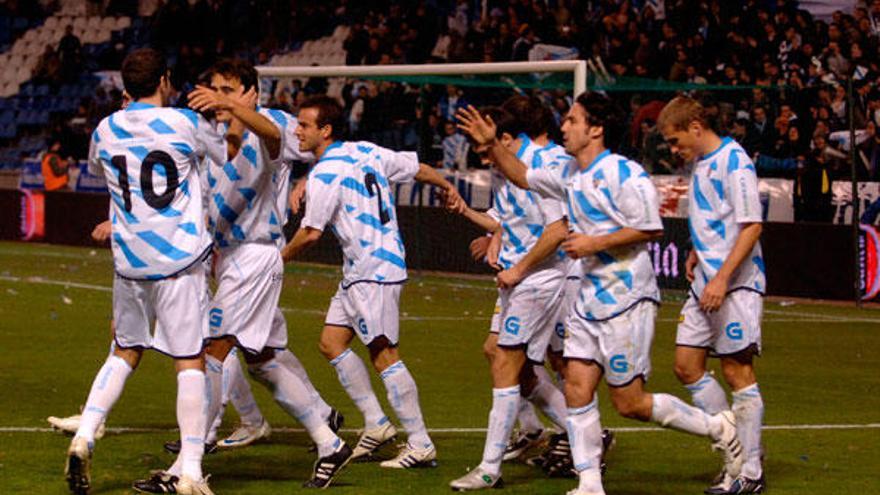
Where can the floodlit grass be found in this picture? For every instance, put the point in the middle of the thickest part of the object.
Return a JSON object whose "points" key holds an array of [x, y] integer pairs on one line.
{"points": [[820, 367]]}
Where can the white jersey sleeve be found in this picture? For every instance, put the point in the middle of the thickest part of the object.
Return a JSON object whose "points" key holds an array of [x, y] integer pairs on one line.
{"points": [[93, 163], [209, 142], [322, 198], [547, 183], [743, 183], [640, 205], [400, 166]]}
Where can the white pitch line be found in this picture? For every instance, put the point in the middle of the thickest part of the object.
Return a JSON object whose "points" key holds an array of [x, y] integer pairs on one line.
{"points": [[623, 429], [795, 317]]}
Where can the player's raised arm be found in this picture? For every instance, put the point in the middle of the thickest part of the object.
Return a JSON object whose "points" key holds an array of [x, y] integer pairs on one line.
{"points": [[429, 175], [242, 106], [483, 131]]}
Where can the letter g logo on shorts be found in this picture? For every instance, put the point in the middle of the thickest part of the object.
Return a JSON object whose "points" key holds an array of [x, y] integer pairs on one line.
{"points": [[734, 331], [618, 363], [215, 319], [511, 325], [362, 326], [560, 330]]}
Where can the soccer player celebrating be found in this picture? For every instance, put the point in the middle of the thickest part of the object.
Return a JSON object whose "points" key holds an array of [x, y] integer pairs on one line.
{"points": [[149, 156], [722, 316], [530, 299], [613, 213], [244, 216], [349, 191]]}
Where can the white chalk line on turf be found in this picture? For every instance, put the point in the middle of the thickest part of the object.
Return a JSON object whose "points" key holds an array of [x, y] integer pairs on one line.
{"points": [[623, 429], [789, 316]]}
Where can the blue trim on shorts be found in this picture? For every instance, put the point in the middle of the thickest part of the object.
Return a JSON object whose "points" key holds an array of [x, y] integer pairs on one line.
{"points": [[615, 315], [151, 348], [367, 281], [729, 292]]}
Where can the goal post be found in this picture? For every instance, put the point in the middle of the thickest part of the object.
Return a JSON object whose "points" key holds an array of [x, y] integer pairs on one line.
{"points": [[578, 68]]}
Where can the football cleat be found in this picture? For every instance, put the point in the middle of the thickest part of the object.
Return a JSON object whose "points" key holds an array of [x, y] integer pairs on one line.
{"points": [[412, 458], [70, 424], [189, 486], [245, 435], [373, 439], [728, 443], [158, 482], [326, 468], [746, 485], [76, 471], [521, 443], [477, 479], [173, 447], [720, 484], [558, 462]]}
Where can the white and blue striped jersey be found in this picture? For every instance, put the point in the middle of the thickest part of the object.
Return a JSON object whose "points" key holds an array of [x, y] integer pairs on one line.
{"points": [[611, 193], [246, 191], [150, 157], [290, 154], [350, 189], [723, 195], [522, 213]]}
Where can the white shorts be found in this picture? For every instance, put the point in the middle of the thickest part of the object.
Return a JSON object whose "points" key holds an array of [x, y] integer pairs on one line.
{"points": [[526, 316], [369, 309], [736, 325], [249, 280], [572, 289], [176, 305], [621, 346]]}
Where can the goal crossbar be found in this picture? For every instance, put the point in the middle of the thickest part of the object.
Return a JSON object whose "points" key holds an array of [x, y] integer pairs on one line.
{"points": [[577, 67]]}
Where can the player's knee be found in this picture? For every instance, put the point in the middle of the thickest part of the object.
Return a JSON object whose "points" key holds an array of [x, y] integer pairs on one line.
{"points": [[628, 406], [687, 373], [737, 374], [329, 349]]}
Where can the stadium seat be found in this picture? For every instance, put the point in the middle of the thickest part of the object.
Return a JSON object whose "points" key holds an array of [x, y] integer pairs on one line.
{"points": [[51, 22], [125, 23]]}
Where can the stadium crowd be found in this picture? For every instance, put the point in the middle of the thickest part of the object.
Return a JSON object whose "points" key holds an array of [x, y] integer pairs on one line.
{"points": [[777, 77]]}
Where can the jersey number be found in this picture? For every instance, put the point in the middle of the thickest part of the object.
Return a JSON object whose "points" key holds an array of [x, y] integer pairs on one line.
{"points": [[153, 159], [375, 190]]}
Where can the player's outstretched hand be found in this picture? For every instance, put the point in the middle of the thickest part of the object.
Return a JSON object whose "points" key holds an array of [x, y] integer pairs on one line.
{"points": [[713, 294], [480, 128], [204, 98], [102, 231], [297, 196], [507, 279], [480, 247], [580, 245], [452, 200]]}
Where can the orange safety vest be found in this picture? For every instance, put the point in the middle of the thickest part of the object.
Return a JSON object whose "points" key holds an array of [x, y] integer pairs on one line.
{"points": [[52, 181]]}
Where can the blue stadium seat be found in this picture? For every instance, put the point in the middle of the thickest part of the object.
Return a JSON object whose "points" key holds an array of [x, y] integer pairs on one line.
{"points": [[42, 90], [6, 117]]}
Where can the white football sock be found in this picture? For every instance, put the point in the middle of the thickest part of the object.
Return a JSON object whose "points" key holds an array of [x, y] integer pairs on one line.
{"points": [[293, 396], [671, 412], [356, 381], [708, 394], [106, 389], [403, 395], [287, 358], [191, 418], [527, 417], [239, 392], [585, 436], [505, 403], [748, 407], [551, 401]]}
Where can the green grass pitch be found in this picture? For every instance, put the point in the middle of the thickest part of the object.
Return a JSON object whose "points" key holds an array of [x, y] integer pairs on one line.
{"points": [[820, 372]]}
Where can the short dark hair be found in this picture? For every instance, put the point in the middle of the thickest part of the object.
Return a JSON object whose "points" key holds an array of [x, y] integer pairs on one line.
{"points": [[234, 68], [602, 112], [531, 115], [142, 71], [330, 113]]}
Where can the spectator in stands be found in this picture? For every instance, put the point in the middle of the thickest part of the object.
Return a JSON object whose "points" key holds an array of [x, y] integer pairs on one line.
{"points": [[54, 167], [455, 148], [48, 70], [70, 53]]}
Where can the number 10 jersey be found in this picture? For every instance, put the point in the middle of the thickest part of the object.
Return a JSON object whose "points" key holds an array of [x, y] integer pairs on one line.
{"points": [[350, 189], [150, 157]]}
